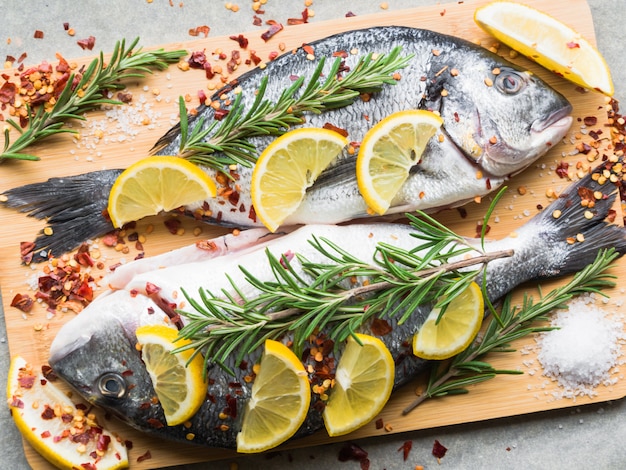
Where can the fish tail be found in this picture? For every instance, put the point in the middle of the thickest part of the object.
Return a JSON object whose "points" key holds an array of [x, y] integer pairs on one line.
{"points": [[73, 207], [562, 239], [582, 218]]}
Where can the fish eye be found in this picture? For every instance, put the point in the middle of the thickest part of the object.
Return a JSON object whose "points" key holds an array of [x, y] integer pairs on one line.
{"points": [[112, 385], [510, 82]]}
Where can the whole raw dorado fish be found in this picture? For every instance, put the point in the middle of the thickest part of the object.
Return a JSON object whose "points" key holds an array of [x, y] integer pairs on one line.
{"points": [[497, 118], [95, 351]]}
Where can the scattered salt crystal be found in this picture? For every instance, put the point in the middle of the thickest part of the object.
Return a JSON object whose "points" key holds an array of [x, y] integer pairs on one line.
{"points": [[580, 354]]}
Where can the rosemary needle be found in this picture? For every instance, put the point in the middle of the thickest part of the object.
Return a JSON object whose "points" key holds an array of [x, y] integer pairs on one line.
{"points": [[225, 142], [88, 94]]}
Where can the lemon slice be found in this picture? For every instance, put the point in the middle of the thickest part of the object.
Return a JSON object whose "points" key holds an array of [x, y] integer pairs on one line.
{"points": [[66, 436], [179, 384], [279, 401], [287, 167], [455, 331], [363, 383], [387, 153], [156, 184], [546, 40]]}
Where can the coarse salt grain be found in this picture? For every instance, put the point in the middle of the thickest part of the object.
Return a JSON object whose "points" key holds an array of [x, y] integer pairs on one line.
{"points": [[580, 354]]}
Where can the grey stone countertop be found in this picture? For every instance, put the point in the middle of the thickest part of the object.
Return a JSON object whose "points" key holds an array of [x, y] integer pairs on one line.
{"points": [[589, 436]]}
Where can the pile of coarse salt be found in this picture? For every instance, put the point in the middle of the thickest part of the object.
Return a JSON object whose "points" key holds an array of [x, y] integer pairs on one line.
{"points": [[584, 352]]}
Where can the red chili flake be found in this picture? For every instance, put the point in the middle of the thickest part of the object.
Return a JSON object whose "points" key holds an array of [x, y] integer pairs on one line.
{"points": [[351, 451], [590, 121], [220, 114], [286, 258], [380, 327], [110, 239], [462, 212], [308, 49], [145, 456], [155, 423], [350, 14], [272, 55], [256, 60], [342, 54], [152, 288], [586, 194], [439, 450], [488, 184], [595, 135], [241, 40], [252, 214], [38, 34], [479, 228], [204, 29], [66, 26], [197, 59], [48, 373], [84, 291], [45, 434], [379, 423], [274, 28], [406, 449], [256, 21], [561, 169], [89, 466], [48, 413], [208, 70], [336, 129], [172, 225], [8, 92], [231, 402], [17, 403], [103, 442], [22, 302], [26, 381], [573, 45], [303, 20], [441, 13], [87, 43]]}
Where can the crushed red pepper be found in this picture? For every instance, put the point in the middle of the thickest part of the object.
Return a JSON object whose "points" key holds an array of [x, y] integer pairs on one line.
{"points": [[439, 451], [272, 31], [87, 43]]}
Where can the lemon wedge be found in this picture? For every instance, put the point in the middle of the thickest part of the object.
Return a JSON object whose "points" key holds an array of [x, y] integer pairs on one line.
{"points": [[63, 434], [363, 383], [279, 401], [287, 167], [547, 41], [457, 328], [179, 384], [156, 184], [387, 153]]}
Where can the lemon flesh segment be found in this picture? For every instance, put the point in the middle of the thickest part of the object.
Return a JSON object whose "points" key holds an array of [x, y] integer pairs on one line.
{"points": [[178, 383], [32, 400], [547, 41], [455, 331], [387, 153], [279, 400], [363, 384], [287, 167], [156, 184]]}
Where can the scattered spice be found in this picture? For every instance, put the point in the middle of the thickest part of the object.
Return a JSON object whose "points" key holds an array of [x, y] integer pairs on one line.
{"points": [[406, 449], [87, 43], [204, 29], [273, 30], [439, 451], [351, 451]]}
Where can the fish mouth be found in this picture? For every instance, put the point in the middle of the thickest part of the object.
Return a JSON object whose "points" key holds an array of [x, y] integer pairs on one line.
{"points": [[560, 119], [503, 159]]}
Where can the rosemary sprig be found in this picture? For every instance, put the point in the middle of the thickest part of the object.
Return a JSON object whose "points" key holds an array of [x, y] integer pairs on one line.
{"points": [[226, 142], [468, 367], [87, 95], [332, 294]]}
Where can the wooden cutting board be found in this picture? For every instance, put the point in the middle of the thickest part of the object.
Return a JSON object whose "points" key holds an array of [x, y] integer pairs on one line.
{"points": [[30, 334]]}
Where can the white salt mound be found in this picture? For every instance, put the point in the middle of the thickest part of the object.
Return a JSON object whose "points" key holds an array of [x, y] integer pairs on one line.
{"points": [[581, 353]]}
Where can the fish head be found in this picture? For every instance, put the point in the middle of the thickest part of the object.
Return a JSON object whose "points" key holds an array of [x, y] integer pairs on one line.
{"points": [[96, 354], [501, 117]]}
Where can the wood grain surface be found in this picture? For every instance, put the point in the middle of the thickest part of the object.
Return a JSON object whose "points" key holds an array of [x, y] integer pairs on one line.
{"points": [[30, 334]]}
